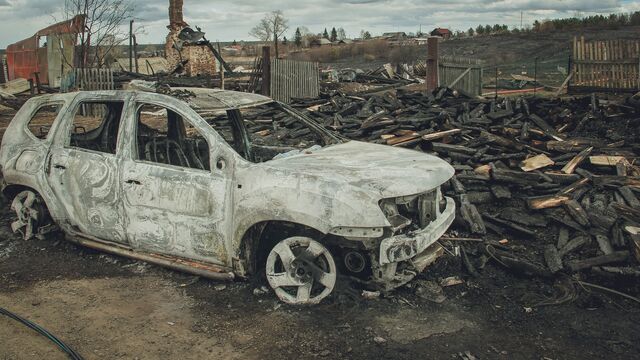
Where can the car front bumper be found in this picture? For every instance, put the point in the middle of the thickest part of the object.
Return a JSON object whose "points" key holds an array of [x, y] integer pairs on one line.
{"points": [[402, 257]]}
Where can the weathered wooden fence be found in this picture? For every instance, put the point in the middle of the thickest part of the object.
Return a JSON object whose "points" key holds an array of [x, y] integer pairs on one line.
{"points": [[294, 79], [461, 73], [88, 79], [610, 65]]}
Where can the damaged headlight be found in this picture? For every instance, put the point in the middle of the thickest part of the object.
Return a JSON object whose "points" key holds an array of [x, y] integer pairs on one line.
{"points": [[402, 251]]}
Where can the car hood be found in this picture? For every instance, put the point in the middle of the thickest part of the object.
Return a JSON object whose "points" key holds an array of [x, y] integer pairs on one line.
{"points": [[379, 169]]}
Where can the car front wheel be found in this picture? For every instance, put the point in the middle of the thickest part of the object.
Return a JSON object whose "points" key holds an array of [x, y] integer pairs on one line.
{"points": [[301, 271]]}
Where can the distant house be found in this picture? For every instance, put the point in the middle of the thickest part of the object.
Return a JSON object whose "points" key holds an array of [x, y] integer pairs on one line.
{"points": [[345, 42], [320, 42], [394, 35], [442, 32]]}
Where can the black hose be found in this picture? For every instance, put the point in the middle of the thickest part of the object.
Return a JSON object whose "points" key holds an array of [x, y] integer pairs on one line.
{"points": [[66, 349]]}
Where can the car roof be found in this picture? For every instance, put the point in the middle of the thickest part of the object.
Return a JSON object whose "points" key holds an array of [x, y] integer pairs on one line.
{"points": [[201, 99]]}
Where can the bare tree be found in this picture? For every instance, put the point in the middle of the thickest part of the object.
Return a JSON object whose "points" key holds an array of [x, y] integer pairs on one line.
{"points": [[103, 29], [271, 27]]}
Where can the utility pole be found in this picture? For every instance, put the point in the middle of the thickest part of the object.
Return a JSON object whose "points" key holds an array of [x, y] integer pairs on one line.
{"points": [[520, 20], [131, 46]]}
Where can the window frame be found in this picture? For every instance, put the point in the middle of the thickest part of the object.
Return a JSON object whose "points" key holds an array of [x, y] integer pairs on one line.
{"points": [[66, 143], [33, 113], [137, 105]]}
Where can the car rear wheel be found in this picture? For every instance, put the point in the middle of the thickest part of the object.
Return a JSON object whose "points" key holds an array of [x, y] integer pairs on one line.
{"points": [[32, 217], [301, 271]]}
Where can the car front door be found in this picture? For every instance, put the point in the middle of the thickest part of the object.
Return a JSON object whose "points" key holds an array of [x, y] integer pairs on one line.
{"points": [[176, 182], [82, 168]]}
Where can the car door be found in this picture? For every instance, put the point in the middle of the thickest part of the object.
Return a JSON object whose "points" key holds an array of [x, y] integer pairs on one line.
{"points": [[82, 167], [175, 201]]}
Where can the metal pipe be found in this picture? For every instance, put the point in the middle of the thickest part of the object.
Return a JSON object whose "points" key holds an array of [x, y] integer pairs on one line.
{"points": [[209, 271], [535, 74]]}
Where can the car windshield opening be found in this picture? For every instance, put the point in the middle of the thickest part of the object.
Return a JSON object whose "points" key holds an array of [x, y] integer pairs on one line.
{"points": [[263, 132]]}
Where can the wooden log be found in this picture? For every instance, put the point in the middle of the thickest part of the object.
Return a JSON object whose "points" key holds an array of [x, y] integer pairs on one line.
{"points": [[552, 258], [447, 148], [615, 257], [575, 210], [577, 160], [479, 197], [545, 127], [634, 233], [511, 225], [500, 192], [492, 138], [536, 162], [547, 202], [563, 237], [573, 145], [471, 216], [440, 134], [604, 160], [573, 244], [525, 267], [604, 244], [629, 197]]}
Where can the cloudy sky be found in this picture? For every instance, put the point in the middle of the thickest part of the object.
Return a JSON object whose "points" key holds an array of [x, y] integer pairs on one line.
{"points": [[231, 20]]}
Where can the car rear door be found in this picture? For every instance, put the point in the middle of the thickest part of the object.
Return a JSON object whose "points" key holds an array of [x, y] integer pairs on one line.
{"points": [[83, 166], [176, 182]]}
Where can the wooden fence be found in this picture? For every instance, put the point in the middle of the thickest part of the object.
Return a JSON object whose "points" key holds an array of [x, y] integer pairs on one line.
{"points": [[294, 79], [611, 65], [88, 79], [461, 73]]}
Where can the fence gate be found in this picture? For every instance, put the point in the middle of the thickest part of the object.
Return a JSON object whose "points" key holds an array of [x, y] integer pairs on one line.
{"points": [[294, 79], [610, 65], [461, 74]]}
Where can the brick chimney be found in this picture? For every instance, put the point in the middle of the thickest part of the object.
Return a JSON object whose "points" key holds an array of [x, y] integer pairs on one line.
{"points": [[176, 18]]}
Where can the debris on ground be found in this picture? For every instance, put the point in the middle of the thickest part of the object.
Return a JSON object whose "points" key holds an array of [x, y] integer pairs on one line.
{"points": [[550, 186]]}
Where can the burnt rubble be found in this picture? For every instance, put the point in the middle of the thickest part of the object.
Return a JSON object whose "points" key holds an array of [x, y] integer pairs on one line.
{"points": [[543, 186]]}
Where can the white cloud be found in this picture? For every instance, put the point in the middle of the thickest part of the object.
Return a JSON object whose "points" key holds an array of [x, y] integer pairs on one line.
{"points": [[229, 20]]}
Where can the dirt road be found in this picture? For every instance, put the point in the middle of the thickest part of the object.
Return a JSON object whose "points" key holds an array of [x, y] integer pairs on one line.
{"points": [[113, 308]]}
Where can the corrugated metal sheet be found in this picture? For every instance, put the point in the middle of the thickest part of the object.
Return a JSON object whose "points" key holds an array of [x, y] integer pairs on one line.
{"points": [[450, 68], [294, 79]]}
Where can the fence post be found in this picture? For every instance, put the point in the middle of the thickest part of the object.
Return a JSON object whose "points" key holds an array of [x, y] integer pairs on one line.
{"points": [[432, 63], [266, 71]]}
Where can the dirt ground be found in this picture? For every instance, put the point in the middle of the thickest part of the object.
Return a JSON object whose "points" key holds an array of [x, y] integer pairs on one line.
{"points": [[107, 307]]}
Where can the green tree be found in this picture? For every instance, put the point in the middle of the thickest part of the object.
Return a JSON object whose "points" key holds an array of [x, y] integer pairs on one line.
{"points": [[325, 34], [297, 38], [365, 35], [284, 40], [480, 30], [334, 35], [470, 32], [487, 29]]}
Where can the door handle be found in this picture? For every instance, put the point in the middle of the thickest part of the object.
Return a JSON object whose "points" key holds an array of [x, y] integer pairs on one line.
{"points": [[58, 166], [133, 181]]}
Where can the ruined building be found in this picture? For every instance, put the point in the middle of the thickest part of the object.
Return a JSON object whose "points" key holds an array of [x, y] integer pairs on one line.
{"points": [[187, 46]]}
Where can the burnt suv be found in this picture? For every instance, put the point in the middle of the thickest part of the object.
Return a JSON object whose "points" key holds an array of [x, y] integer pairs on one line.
{"points": [[224, 185]]}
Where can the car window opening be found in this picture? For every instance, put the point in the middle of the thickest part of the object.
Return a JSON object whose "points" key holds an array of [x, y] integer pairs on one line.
{"points": [[165, 137], [95, 126], [262, 133], [43, 119]]}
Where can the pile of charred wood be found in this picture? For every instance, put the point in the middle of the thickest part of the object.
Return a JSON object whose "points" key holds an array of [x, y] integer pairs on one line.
{"points": [[542, 185]]}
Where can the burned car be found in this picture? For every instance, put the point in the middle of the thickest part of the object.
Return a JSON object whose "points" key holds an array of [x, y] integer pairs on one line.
{"points": [[219, 184]]}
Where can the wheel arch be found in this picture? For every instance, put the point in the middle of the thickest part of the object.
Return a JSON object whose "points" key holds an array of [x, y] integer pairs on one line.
{"points": [[260, 237]]}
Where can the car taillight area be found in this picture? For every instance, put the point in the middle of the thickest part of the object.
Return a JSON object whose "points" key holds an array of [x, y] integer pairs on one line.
{"points": [[414, 212]]}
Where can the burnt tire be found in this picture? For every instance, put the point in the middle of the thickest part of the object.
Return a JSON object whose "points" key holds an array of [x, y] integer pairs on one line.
{"points": [[33, 219]]}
